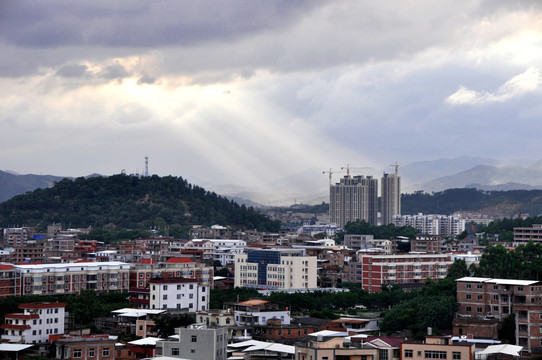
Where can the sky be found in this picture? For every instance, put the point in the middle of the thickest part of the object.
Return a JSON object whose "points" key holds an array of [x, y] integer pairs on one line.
{"points": [[247, 92]]}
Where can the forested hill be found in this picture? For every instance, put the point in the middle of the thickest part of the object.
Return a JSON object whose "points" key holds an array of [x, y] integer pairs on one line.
{"points": [[496, 203], [127, 201]]}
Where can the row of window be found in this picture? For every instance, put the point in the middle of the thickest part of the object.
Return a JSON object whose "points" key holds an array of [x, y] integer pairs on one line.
{"points": [[78, 353], [433, 354]]}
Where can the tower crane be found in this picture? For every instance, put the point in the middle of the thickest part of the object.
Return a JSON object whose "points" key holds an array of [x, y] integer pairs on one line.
{"points": [[347, 167], [396, 166], [331, 172]]}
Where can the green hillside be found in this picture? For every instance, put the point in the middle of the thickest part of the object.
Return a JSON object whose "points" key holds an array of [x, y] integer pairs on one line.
{"points": [[126, 201]]}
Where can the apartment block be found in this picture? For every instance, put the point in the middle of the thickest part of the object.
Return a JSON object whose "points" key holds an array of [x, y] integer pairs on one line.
{"points": [[434, 224], [408, 271], [71, 278], [275, 269], [353, 198], [526, 234], [391, 196], [485, 302], [10, 283]]}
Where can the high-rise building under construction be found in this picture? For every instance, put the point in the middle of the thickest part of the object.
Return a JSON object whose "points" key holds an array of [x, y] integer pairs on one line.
{"points": [[391, 197], [354, 198]]}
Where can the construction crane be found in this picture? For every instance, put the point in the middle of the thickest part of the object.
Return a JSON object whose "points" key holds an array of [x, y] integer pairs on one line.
{"points": [[396, 166], [331, 172], [347, 167]]}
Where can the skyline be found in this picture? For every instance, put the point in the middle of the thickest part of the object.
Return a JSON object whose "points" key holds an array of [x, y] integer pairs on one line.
{"points": [[246, 93]]}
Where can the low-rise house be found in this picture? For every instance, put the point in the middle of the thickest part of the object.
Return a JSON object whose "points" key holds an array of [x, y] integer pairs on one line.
{"points": [[85, 347], [436, 347]]}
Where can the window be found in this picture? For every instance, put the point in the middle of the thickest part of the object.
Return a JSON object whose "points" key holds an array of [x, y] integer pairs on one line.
{"points": [[468, 286], [479, 309], [105, 352], [469, 296], [468, 309], [456, 355], [479, 297], [194, 338], [91, 352], [432, 354], [77, 353], [164, 297], [409, 353], [383, 354], [175, 352], [193, 351], [479, 286], [520, 288]]}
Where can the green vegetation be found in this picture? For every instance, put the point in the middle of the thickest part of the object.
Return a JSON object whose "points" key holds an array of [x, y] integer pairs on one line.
{"points": [[448, 201], [169, 204], [389, 231], [524, 263]]}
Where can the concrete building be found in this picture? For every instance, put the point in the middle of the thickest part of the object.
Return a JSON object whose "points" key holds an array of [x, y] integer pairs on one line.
{"points": [[36, 324], [391, 197], [10, 284], [197, 342], [433, 224], [427, 243], [367, 242], [354, 198], [258, 312], [178, 293], [526, 234], [408, 271], [437, 347], [275, 269], [71, 278], [485, 302], [98, 347]]}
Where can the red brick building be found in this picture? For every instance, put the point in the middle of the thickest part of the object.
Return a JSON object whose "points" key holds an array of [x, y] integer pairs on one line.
{"points": [[485, 302]]}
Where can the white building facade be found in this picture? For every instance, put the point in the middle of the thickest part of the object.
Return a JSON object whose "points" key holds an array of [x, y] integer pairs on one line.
{"points": [[37, 322], [276, 269], [178, 294]]}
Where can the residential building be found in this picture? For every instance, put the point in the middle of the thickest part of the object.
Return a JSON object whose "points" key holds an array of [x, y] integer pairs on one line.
{"points": [[216, 317], [353, 198], [426, 243], [275, 269], [10, 284], [258, 312], [485, 302], [99, 347], [437, 347], [17, 237], [391, 196], [178, 293], [407, 271], [367, 242], [322, 347], [526, 234], [197, 342], [36, 324], [71, 278]]}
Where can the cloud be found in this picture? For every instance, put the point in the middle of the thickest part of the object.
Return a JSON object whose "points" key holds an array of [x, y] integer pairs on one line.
{"points": [[521, 84]]}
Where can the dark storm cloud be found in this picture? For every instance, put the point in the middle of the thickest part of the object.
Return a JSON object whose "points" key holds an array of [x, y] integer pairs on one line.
{"points": [[139, 24]]}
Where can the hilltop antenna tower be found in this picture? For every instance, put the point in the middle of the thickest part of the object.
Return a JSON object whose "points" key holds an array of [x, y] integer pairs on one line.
{"points": [[146, 166]]}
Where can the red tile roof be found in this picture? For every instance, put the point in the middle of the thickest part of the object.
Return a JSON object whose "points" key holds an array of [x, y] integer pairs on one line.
{"points": [[41, 305], [6, 267], [22, 316], [14, 327]]}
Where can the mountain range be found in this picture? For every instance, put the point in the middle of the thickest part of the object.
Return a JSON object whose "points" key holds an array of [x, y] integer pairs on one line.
{"points": [[312, 185]]}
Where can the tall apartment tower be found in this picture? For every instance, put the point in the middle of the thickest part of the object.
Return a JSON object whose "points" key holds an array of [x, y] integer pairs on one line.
{"points": [[354, 198], [391, 196]]}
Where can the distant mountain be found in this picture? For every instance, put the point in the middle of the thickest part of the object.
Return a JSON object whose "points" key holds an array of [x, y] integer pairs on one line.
{"points": [[418, 173], [12, 184], [485, 175]]}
